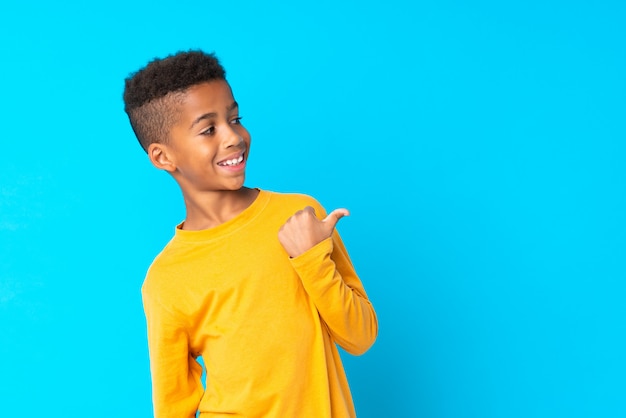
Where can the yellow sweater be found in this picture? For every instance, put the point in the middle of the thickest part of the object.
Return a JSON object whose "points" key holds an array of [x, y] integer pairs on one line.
{"points": [[265, 324]]}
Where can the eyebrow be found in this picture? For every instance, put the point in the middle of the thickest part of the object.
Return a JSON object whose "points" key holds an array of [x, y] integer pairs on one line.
{"points": [[205, 116]]}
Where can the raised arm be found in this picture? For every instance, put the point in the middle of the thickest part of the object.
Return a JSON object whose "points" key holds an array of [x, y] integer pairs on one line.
{"points": [[321, 260]]}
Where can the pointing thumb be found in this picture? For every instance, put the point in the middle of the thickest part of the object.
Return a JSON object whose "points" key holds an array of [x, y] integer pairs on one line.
{"points": [[334, 216]]}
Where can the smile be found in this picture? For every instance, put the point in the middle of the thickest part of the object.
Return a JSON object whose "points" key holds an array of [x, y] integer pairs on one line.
{"points": [[232, 162]]}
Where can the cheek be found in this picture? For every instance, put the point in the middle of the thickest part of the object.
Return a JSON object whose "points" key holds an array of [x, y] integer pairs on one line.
{"points": [[243, 132], [246, 136]]}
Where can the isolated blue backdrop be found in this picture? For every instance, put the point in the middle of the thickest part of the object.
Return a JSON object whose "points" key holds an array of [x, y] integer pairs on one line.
{"points": [[480, 148]]}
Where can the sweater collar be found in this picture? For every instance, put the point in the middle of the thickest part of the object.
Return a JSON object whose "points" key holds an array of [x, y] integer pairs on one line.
{"points": [[228, 227]]}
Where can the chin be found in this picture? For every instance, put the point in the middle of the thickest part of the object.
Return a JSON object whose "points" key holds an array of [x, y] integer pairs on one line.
{"points": [[235, 187]]}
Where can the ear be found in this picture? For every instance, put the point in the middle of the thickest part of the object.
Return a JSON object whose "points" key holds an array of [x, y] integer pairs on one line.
{"points": [[160, 157]]}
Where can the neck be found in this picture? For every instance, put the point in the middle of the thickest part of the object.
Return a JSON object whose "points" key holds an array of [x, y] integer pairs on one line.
{"points": [[211, 209]]}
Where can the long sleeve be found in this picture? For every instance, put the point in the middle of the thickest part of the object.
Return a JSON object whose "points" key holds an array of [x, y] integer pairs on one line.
{"points": [[176, 375], [267, 327], [330, 280]]}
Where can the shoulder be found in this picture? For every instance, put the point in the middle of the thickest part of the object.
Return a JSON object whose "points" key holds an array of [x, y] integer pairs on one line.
{"points": [[159, 276], [292, 202]]}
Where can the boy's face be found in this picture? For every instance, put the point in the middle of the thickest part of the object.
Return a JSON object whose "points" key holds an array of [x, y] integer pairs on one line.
{"points": [[208, 146]]}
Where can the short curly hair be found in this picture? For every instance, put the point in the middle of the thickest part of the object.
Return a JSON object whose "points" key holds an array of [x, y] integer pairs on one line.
{"points": [[153, 94]]}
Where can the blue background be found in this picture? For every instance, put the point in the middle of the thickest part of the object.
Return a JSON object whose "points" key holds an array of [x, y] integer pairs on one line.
{"points": [[480, 148]]}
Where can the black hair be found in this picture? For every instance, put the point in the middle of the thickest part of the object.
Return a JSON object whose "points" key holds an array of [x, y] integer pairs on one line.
{"points": [[152, 94]]}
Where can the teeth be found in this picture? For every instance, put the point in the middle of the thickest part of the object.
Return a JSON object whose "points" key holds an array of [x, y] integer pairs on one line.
{"points": [[234, 161]]}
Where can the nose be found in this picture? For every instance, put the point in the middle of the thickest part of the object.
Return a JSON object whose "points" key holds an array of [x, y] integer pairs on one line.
{"points": [[233, 139]]}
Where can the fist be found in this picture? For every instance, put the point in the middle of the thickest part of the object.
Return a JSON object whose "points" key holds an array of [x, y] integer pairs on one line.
{"points": [[304, 230]]}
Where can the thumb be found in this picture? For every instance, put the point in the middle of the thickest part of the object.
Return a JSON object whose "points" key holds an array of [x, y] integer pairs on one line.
{"points": [[334, 216]]}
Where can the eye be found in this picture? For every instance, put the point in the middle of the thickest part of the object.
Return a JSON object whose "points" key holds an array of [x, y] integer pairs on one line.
{"points": [[208, 131], [236, 121]]}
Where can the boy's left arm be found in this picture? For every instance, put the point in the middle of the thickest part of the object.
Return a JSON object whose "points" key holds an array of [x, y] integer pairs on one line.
{"points": [[322, 262]]}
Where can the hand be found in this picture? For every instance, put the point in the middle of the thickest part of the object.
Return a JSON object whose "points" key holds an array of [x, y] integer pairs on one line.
{"points": [[303, 230]]}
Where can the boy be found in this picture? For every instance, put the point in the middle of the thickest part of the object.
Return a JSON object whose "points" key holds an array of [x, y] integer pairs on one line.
{"points": [[253, 281]]}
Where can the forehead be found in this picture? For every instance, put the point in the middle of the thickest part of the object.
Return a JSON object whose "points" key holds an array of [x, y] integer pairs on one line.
{"points": [[213, 96]]}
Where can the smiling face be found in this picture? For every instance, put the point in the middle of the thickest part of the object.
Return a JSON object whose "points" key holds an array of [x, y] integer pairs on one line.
{"points": [[208, 146]]}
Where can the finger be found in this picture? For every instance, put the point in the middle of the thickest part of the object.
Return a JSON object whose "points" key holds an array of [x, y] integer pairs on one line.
{"points": [[309, 209], [334, 216]]}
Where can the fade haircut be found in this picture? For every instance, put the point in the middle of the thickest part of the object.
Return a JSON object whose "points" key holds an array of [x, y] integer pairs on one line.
{"points": [[153, 94]]}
